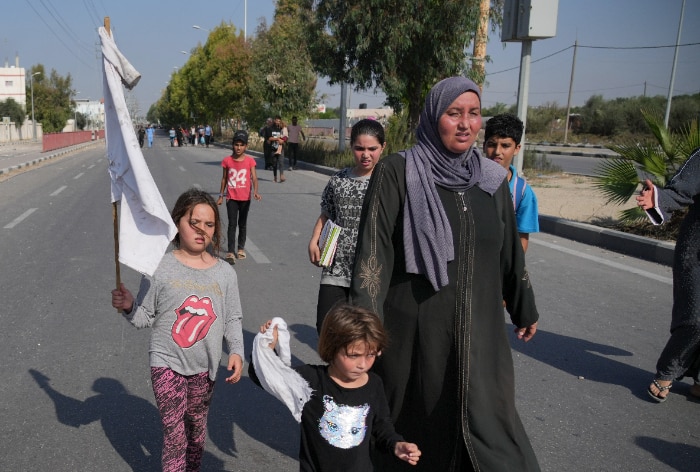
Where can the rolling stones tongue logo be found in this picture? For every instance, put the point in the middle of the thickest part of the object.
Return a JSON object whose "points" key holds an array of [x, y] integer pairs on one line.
{"points": [[194, 317]]}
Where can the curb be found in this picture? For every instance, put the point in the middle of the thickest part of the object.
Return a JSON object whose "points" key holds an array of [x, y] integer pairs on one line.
{"points": [[578, 153], [34, 162], [648, 249]]}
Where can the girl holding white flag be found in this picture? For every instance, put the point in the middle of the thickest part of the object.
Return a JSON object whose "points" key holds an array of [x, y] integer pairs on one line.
{"points": [[191, 303]]}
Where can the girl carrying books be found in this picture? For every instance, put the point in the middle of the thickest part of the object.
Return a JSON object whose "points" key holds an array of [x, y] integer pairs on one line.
{"points": [[341, 203]]}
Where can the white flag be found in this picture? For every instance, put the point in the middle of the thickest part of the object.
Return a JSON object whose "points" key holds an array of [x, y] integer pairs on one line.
{"points": [[145, 225]]}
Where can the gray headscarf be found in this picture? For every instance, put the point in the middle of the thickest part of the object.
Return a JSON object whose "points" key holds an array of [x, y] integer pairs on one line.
{"points": [[427, 233]]}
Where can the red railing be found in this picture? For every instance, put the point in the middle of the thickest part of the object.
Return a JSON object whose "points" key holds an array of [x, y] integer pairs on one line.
{"points": [[53, 141]]}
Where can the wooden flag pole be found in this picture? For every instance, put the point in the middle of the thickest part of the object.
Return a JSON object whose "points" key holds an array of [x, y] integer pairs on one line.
{"points": [[115, 212]]}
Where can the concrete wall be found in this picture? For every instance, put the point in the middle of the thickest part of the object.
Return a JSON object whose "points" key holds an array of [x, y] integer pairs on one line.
{"points": [[9, 132]]}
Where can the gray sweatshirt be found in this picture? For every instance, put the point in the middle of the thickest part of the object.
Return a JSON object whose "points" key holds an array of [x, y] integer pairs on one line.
{"points": [[190, 312]]}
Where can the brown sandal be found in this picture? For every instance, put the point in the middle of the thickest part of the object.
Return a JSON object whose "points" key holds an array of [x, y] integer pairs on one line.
{"points": [[241, 254]]}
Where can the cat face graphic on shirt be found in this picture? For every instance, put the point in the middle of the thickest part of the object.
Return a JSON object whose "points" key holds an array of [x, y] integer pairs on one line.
{"points": [[341, 425]]}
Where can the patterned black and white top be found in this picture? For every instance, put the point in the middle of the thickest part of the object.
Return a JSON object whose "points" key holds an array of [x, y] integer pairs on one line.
{"points": [[342, 203]]}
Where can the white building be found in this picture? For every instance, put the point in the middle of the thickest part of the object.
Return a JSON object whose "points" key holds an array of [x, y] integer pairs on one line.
{"points": [[94, 111], [13, 83]]}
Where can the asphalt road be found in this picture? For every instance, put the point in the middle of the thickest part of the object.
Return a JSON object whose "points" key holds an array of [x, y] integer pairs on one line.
{"points": [[76, 390]]}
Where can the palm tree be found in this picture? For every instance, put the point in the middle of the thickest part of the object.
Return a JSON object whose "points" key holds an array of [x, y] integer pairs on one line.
{"points": [[619, 178]]}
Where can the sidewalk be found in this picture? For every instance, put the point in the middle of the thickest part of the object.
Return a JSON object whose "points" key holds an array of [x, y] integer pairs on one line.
{"points": [[21, 156]]}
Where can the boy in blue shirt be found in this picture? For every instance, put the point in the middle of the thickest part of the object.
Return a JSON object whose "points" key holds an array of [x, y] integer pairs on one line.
{"points": [[501, 143]]}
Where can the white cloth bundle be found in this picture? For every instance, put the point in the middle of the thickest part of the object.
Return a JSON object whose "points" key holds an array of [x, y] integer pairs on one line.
{"points": [[274, 372]]}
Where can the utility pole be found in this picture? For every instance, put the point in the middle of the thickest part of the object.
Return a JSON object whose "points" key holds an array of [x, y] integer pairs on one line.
{"points": [[571, 86], [673, 68], [343, 116], [31, 83], [480, 40]]}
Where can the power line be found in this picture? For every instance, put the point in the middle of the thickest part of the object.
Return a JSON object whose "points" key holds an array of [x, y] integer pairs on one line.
{"points": [[56, 15], [532, 62], [56, 35], [594, 47], [638, 47]]}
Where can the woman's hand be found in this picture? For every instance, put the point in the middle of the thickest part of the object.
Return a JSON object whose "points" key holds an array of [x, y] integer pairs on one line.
{"points": [[408, 452], [646, 195], [527, 332]]}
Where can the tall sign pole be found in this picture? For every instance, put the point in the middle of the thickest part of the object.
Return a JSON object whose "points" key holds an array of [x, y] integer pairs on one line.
{"points": [[525, 21]]}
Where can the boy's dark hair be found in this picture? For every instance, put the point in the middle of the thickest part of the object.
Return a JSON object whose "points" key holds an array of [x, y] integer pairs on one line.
{"points": [[369, 127], [185, 205], [504, 126], [346, 324]]}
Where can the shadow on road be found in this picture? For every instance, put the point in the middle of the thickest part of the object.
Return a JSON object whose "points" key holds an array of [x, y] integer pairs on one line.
{"points": [[680, 457], [131, 424], [580, 357], [260, 415]]}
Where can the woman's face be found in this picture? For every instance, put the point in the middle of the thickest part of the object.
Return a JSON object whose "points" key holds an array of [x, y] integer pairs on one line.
{"points": [[459, 125]]}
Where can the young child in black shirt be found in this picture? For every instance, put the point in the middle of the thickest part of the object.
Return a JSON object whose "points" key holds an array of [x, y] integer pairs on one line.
{"points": [[348, 406]]}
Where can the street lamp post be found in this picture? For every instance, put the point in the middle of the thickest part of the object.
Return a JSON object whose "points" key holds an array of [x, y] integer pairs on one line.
{"points": [[75, 114], [31, 86]]}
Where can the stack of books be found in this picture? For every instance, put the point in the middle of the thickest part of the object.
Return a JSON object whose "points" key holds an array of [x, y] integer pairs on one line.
{"points": [[328, 242]]}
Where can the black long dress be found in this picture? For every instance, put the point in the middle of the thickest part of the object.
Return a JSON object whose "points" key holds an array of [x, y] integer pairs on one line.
{"points": [[448, 371], [681, 355]]}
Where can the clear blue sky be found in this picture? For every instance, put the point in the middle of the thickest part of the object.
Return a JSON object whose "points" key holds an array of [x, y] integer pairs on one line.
{"points": [[63, 36]]}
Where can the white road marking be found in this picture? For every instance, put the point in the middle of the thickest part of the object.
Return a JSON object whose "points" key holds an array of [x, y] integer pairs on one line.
{"points": [[59, 190], [78, 176], [182, 169], [20, 218], [600, 260]]}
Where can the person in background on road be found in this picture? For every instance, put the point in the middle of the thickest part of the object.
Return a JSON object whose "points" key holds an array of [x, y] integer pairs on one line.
{"points": [[341, 202], [681, 356], [192, 305], [141, 134], [293, 142], [346, 414], [239, 174], [181, 136], [501, 143], [149, 134], [200, 134], [438, 251], [193, 135], [173, 135], [276, 135], [207, 135], [267, 146], [178, 136]]}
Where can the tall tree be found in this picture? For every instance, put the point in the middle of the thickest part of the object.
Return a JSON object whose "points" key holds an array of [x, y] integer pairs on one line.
{"points": [[402, 47], [283, 79], [13, 110], [52, 99]]}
